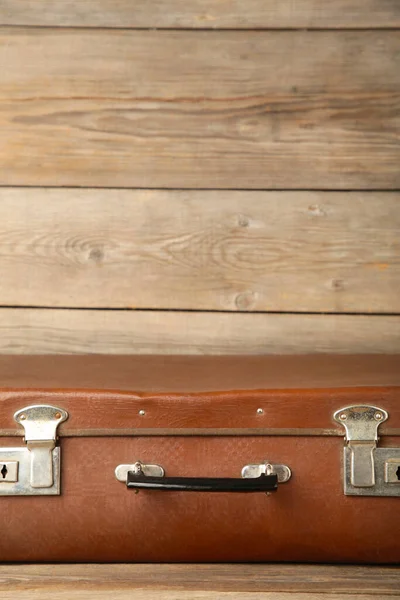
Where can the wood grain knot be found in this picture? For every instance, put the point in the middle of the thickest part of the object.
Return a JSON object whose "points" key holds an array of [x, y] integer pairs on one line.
{"points": [[243, 221], [96, 255], [245, 301], [337, 285], [316, 211]]}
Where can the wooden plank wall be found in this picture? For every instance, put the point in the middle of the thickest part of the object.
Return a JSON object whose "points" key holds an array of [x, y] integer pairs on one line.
{"points": [[199, 582], [200, 176]]}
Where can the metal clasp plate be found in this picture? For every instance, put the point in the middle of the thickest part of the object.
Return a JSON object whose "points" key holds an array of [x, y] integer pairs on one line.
{"points": [[35, 468], [366, 470]]}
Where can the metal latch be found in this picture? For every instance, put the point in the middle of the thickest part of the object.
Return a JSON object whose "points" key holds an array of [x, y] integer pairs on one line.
{"points": [[33, 469], [368, 469]]}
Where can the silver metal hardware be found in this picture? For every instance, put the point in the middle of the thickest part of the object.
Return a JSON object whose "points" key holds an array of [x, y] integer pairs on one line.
{"points": [[9, 472], [249, 471], [361, 424], [121, 472], [37, 470], [142, 413], [392, 471], [260, 411], [282, 471], [368, 470]]}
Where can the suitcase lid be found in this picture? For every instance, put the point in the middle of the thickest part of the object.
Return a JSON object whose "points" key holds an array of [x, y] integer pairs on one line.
{"points": [[200, 395]]}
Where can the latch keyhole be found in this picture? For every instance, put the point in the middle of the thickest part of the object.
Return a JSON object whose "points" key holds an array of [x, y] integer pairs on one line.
{"points": [[398, 473], [4, 471]]}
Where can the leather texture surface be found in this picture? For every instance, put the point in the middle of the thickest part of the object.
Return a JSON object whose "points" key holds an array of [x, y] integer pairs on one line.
{"points": [[103, 413], [97, 519], [191, 374]]}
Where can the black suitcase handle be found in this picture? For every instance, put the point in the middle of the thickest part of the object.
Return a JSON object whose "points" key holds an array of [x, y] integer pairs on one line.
{"points": [[263, 483]]}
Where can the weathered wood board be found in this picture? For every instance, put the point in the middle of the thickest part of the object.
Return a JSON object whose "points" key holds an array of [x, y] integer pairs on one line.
{"points": [[211, 582], [200, 250], [232, 14], [205, 109], [52, 331]]}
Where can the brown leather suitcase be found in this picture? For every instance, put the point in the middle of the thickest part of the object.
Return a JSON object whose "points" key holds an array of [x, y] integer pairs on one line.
{"points": [[200, 459]]}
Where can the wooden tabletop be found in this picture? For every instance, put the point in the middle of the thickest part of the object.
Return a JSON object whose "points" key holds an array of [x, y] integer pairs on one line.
{"points": [[199, 582]]}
